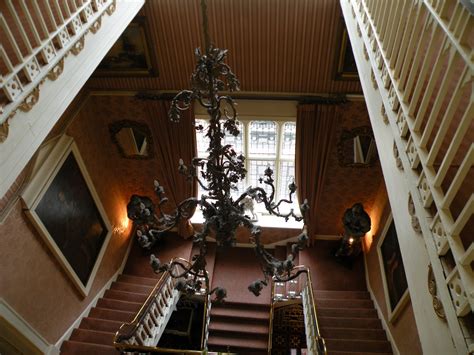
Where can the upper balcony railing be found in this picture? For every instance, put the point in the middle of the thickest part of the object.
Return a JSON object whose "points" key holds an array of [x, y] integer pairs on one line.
{"points": [[422, 51], [36, 36]]}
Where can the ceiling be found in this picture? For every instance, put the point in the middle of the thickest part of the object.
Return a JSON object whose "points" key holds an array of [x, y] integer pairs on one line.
{"points": [[285, 46]]}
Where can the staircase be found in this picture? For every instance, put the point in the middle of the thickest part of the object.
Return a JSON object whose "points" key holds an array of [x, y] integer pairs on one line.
{"points": [[95, 334], [239, 327], [121, 302], [349, 323]]}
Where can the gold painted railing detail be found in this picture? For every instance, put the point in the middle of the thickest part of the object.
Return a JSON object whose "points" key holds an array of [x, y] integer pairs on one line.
{"points": [[299, 288]]}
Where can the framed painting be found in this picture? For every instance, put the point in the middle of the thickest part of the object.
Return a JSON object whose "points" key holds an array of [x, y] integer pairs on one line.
{"points": [[346, 68], [130, 55], [392, 270], [65, 209]]}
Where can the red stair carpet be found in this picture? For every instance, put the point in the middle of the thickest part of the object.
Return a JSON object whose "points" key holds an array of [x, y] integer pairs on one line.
{"points": [[121, 302], [347, 318]]}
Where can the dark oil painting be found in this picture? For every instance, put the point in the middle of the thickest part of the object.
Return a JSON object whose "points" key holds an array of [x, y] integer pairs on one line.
{"points": [[130, 55], [71, 217], [393, 266], [346, 68]]}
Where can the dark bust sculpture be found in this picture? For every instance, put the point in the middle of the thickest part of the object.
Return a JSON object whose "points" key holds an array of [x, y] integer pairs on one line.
{"points": [[356, 223]]}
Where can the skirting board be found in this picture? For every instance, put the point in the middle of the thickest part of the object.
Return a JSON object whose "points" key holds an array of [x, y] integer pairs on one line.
{"points": [[99, 294], [379, 311]]}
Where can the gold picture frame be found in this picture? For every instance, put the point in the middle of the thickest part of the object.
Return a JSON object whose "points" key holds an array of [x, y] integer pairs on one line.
{"points": [[393, 277], [346, 68], [61, 202], [130, 55]]}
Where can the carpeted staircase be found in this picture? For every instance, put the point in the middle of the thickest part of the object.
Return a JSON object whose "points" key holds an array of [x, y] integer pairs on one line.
{"points": [[346, 314], [349, 323], [121, 302], [239, 328], [95, 334], [347, 318]]}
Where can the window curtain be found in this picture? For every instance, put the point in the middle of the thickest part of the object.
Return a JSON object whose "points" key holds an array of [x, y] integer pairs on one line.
{"points": [[174, 141], [315, 127]]}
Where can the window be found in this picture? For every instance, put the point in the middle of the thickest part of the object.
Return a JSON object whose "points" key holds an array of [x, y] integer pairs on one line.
{"points": [[264, 143]]}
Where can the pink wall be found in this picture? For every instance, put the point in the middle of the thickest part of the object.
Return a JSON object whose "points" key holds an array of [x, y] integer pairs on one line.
{"points": [[403, 328], [31, 279]]}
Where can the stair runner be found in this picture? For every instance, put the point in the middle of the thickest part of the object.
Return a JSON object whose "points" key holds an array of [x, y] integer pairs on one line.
{"points": [[239, 328], [95, 334], [349, 323]]}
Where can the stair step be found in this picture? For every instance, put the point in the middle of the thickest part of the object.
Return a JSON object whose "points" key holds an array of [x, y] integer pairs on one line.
{"points": [[237, 324], [239, 305], [240, 333], [123, 286], [111, 314], [337, 322], [137, 280], [70, 347], [92, 336], [245, 344], [344, 303], [353, 333], [100, 324], [239, 313], [347, 312], [357, 345], [126, 296], [341, 295], [110, 303]]}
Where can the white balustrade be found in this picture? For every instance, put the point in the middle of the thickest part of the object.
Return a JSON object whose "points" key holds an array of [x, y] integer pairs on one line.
{"points": [[36, 36], [422, 53]]}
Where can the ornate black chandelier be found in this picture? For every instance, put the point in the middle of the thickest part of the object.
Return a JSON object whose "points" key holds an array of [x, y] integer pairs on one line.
{"points": [[218, 176]]}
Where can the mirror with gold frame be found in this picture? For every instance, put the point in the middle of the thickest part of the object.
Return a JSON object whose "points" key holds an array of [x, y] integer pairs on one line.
{"points": [[133, 139]]}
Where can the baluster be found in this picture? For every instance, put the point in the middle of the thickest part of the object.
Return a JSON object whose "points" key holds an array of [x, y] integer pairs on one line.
{"points": [[50, 14], [433, 73], [454, 145], [463, 82], [413, 13], [58, 11], [403, 17], [41, 20], [416, 38], [442, 92], [461, 174], [462, 220]]}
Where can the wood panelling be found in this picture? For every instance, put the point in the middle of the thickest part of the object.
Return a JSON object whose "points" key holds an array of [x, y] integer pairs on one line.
{"points": [[274, 45]]}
